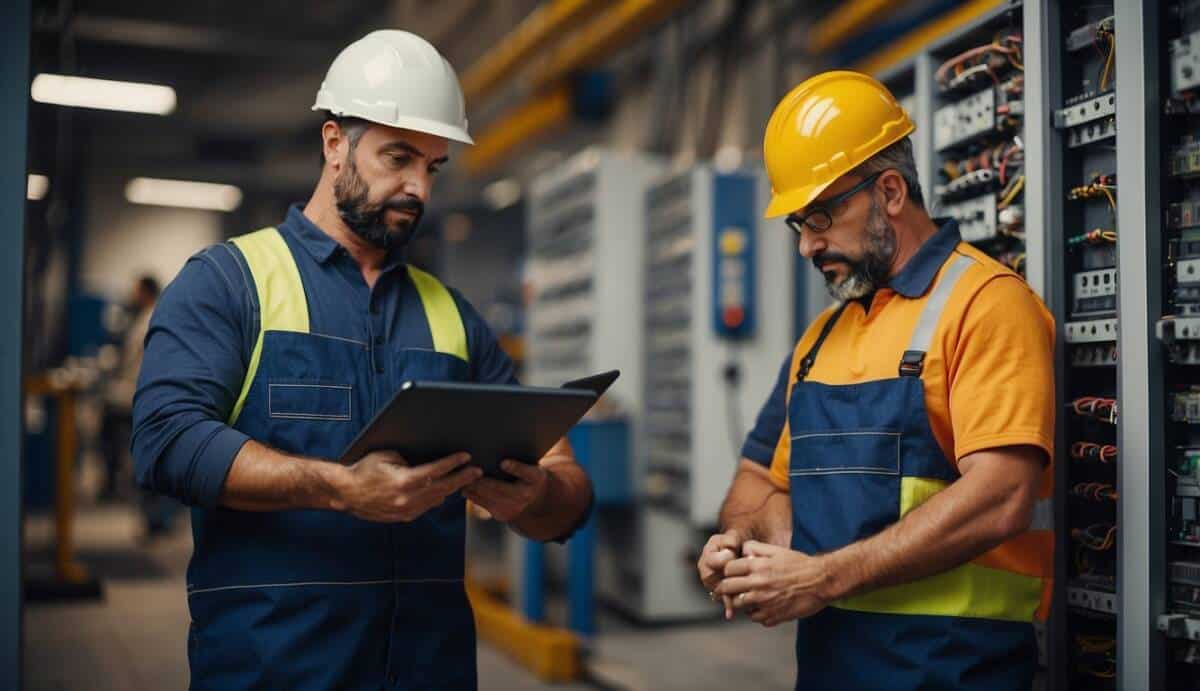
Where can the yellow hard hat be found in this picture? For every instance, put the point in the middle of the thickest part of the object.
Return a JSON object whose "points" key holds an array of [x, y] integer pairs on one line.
{"points": [[823, 129]]}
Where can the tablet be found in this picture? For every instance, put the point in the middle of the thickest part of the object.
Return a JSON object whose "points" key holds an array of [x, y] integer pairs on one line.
{"points": [[426, 421], [597, 383]]}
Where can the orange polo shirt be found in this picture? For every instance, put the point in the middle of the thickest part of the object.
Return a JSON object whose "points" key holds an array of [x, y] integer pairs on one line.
{"points": [[989, 372], [988, 376]]}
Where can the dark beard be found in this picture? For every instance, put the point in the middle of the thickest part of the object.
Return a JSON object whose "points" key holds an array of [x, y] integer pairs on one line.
{"points": [[869, 272], [366, 220]]}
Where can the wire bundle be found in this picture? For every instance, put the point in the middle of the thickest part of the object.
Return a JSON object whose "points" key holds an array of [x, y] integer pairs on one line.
{"points": [[1099, 186], [1095, 236], [1097, 655], [1000, 158], [1088, 451], [1104, 409], [1098, 537], [986, 59], [1013, 260], [1095, 491]]}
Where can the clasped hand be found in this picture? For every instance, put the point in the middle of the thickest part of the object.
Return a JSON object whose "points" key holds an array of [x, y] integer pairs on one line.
{"points": [[771, 584]]}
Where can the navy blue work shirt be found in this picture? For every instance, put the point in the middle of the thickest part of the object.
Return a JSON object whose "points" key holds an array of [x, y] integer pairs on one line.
{"points": [[204, 329], [761, 442]]}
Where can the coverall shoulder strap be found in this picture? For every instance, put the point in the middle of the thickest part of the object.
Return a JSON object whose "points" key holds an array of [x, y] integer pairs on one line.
{"points": [[282, 304], [912, 364], [811, 356], [445, 320]]}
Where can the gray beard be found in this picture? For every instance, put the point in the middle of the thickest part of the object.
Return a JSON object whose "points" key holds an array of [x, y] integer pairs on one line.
{"points": [[870, 272]]}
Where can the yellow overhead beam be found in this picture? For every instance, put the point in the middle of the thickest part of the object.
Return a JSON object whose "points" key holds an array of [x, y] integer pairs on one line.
{"points": [[847, 20], [538, 116], [911, 43], [614, 29], [545, 24]]}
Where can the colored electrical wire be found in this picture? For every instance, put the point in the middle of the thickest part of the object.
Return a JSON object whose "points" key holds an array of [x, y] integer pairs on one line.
{"points": [[1011, 193], [1097, 655], [1095, 491], [1096, 236], [1088, 451], [1104, 409], [1098, 537], [1016, 262], [976, 61], [1106, 71]]}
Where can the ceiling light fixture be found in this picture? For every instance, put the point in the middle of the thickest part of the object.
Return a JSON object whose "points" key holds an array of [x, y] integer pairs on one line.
{"points": [[183, 193], [105, 94]]}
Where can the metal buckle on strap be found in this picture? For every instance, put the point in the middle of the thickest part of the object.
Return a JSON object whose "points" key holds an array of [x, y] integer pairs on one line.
{"points": [[805, 365], [913, 363]]}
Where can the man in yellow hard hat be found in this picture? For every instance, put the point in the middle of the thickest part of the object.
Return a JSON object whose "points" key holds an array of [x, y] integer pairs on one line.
{"points": [[904, 517], [265, 358]]}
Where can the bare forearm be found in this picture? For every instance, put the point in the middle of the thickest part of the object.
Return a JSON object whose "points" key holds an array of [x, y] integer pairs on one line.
{"points": [[971, 516], [568, 492], [263, 479], [756, 508]]}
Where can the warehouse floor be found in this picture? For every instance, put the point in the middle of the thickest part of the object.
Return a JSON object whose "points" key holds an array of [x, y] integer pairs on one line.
{"points": [[134, 639]]}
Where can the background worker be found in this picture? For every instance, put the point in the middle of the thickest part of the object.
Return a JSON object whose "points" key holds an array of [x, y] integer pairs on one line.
{"points": [[904, 518], [118, 391], [265, 358]]}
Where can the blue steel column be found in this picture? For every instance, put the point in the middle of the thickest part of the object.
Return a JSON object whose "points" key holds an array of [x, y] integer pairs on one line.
{"points": [[14, 84]]}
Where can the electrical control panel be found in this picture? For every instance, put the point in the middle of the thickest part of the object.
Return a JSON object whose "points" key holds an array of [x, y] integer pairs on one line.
{"points": [[979, 153], [964, 120], [734, 246], [718, 323], [584, 317], [1179, 333], [1125, 613], [1084, 124]]}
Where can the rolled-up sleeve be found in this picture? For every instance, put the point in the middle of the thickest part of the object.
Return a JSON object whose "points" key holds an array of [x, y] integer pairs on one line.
{"points": [[760, 443], [195, 361]]}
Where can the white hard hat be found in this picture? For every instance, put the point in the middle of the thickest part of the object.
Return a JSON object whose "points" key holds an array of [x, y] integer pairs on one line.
{"points": [[398, 79]]}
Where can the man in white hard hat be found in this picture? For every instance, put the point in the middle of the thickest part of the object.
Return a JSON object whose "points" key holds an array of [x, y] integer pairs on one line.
{"points": [[268, 354]]}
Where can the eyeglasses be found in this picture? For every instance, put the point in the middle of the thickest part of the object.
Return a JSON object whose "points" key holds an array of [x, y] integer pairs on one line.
{"points": [[820, 214]]}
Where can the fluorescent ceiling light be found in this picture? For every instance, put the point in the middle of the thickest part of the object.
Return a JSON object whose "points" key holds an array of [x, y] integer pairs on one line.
{"points": [[36, 187], [502, 194], [105, 94], [183, 193]]}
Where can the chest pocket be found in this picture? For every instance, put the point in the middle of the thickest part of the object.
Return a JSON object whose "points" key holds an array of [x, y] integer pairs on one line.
{"points": [[311, 401], [315, 390], [419, 364]]}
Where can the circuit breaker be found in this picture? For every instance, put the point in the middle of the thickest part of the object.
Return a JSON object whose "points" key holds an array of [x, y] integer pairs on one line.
{"points": [[1179, 332], [1085, 130], [979, 154]]}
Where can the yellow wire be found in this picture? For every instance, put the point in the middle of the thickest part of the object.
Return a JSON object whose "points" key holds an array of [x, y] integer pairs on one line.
{"points": [[1108, 62], [1012, 194]]}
